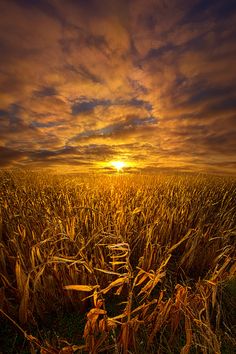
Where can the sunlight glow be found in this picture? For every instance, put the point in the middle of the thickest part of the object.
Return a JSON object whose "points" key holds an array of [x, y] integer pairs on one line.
{"points": [[118, 165]]}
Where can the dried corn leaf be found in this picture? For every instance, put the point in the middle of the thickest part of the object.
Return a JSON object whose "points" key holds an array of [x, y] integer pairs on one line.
{"points": [[118, 282], [21, 277], [118, 291], [107, 271], [81, 287], [189, 335], [119, 246], [95, 312], [136, 210], [144, 306], [23, 309], [142, 279], [232, 270]]}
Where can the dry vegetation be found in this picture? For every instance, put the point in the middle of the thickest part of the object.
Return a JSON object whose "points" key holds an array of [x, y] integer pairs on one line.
{"points": [[147, 261]]}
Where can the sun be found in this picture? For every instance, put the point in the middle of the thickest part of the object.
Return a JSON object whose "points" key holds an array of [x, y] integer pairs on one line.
{"points": [[119, 165]]}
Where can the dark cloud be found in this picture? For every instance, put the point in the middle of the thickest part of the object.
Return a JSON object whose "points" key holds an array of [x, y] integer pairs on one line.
{"points": [[204, 9], [157, 53], [87, 106], [46, 91], [68, 156], [124, 127], [9, 157], [44, 125], [84, 106], [79, 151], [3, 113], [84, 73], [44, 6]]}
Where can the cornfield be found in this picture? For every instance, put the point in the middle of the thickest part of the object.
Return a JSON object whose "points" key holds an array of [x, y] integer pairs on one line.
{"points": [[147, 262]]}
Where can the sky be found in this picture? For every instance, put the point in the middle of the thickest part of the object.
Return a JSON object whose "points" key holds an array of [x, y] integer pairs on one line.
{"points": [[148, 82]]}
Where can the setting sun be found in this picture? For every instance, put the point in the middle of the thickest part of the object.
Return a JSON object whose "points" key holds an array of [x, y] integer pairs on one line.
{"points": [[118, 165]]}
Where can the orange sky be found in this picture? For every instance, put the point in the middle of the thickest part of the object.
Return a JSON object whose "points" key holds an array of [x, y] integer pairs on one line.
{"points": [[87, 82]]}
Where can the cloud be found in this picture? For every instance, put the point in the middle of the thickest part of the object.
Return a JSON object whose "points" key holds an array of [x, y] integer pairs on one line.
{"points": [[87, 106], [9, 157], [46, 92], [84, 105], [126, 127], [84, 82]]}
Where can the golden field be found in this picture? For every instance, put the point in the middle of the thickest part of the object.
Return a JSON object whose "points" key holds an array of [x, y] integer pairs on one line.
{"points": [[144, 263]]}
